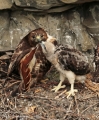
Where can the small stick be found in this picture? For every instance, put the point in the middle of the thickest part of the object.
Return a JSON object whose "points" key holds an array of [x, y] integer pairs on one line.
{"points": [[13, 84], [76, 105], [60, 94], [89, 107]]}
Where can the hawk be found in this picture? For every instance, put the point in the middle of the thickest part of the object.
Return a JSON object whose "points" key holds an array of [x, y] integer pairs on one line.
{"points": [[71, 63], [28, 59]]}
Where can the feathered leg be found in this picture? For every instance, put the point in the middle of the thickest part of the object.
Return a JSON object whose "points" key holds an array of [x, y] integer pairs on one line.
{"points": [[59, 86], [71, 77], [72, 91]]}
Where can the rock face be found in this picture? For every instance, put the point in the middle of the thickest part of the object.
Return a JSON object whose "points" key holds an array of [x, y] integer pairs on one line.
{"points": [[38, 5], [5, 4], [78, 26]]}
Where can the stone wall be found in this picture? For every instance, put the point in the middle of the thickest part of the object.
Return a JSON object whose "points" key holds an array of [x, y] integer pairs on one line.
{"points": [[69, 21]]}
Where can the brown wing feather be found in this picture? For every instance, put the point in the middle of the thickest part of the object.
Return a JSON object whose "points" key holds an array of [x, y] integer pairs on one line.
{"points": [[25, 71], [15, 61], [74, 60]]}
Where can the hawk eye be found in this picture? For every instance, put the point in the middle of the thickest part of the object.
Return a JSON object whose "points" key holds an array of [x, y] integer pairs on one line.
{"points": [[33, 37], [41, 35]]}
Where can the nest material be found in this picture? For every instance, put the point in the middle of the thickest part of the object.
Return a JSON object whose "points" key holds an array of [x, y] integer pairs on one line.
{"points": [[90, 84]]}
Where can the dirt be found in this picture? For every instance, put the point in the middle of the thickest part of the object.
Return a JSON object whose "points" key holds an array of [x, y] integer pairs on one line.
{"points": [[40, 103]]}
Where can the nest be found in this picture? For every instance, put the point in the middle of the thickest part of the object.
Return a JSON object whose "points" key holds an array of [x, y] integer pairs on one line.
{"points": [[91, 84]]}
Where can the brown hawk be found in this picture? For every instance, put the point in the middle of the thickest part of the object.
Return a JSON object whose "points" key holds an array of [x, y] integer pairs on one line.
{"points": [[70, 63], [29, 60]]}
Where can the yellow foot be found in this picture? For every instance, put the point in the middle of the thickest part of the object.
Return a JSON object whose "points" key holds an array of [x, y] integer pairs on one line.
{"points": [[56, 88], [71, 92]]}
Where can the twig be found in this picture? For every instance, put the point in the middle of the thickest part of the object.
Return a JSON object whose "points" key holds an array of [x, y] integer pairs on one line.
{"points": [[68, 111], [88, 108], [76, 105], [70, 106], [15, 103], [60, 94], [13, 84], [31, 96]]}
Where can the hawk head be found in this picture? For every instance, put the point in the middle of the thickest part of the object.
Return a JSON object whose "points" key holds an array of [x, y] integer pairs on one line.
{"points": [[36, 36], [48, 46]]}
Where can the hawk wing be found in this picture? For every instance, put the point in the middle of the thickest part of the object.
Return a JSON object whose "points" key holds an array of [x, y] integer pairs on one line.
{"points": [[26, 65], [73, 60], [22, 49]]}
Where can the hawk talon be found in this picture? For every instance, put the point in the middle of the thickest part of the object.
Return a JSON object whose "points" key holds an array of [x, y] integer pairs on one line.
{"points": [[56, 88], [71, 93]]}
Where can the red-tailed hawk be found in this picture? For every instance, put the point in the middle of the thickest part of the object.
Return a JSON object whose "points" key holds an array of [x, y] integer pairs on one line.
{"points": [[70, 63], [29, 60]]}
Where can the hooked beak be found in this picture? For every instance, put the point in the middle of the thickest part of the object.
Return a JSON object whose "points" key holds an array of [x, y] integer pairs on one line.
{"points": [[38, 38]]}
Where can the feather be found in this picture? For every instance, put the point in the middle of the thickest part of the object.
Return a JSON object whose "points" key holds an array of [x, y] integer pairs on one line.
{"points": [[71, 63], [72, 59], [29, 61], [26, 65]]}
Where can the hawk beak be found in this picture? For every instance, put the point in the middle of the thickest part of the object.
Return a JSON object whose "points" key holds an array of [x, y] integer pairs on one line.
{"points": [[38, 38]]}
